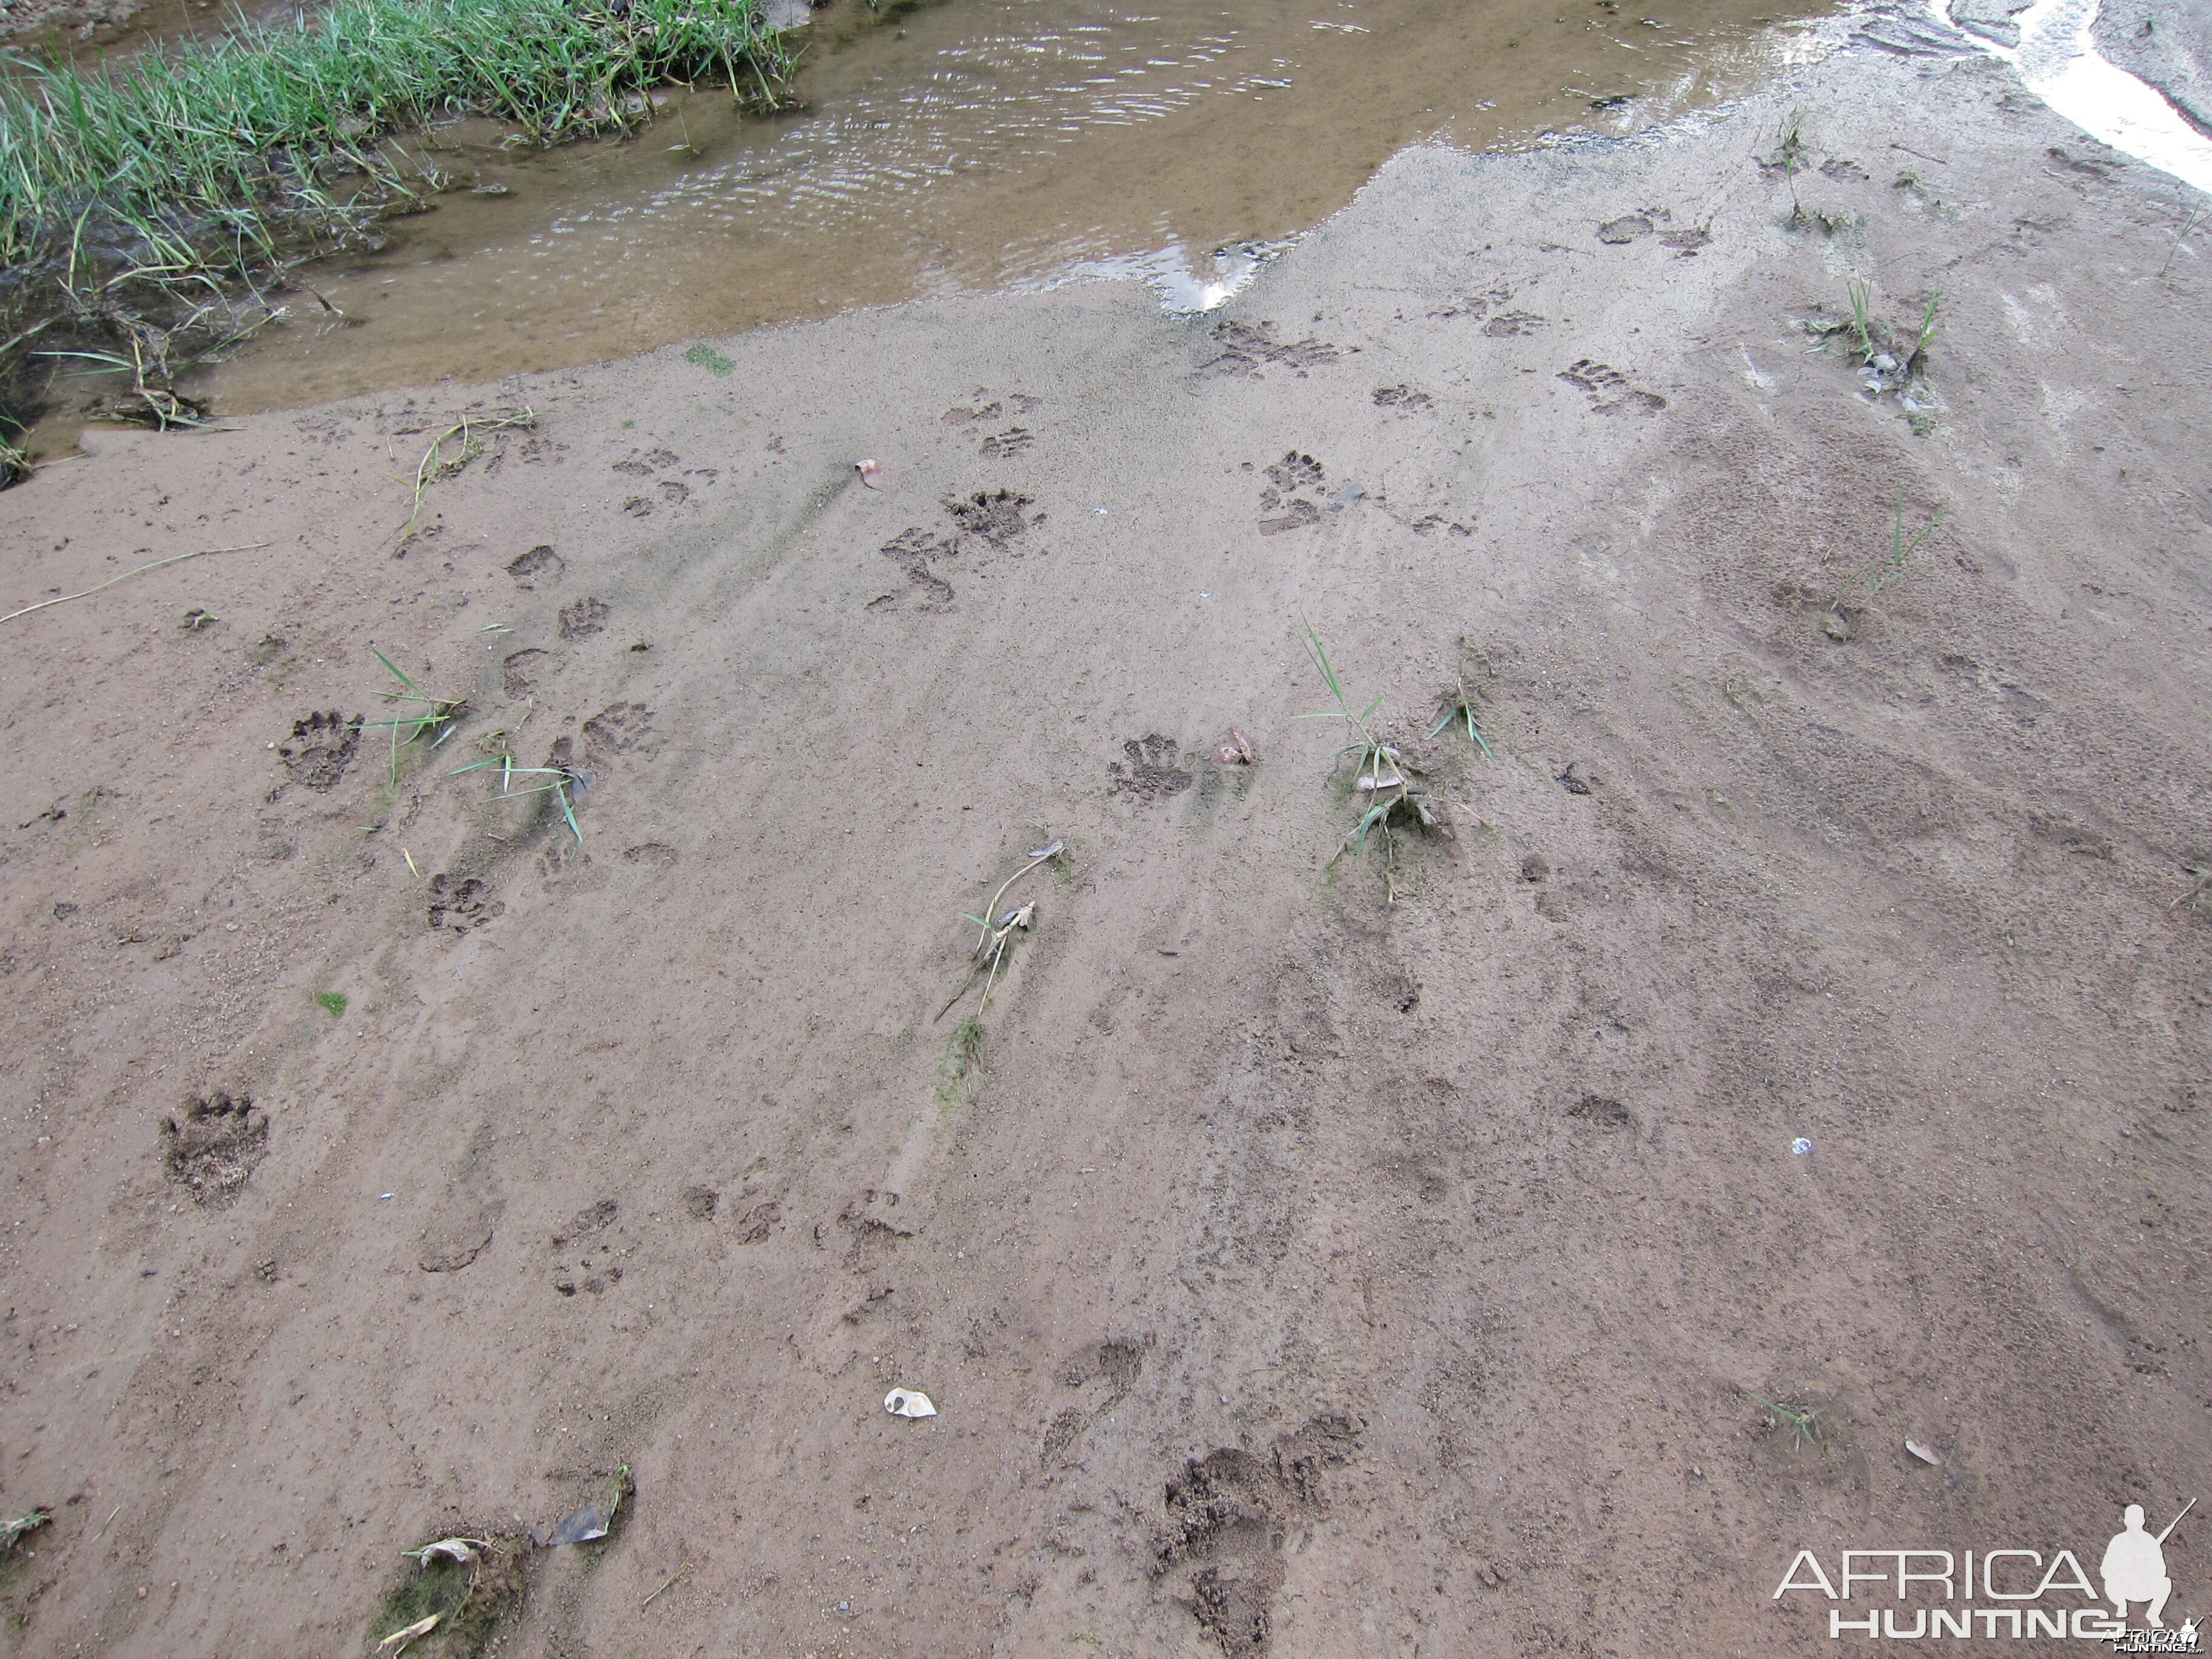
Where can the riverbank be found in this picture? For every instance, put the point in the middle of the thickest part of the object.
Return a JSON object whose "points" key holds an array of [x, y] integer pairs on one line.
{"points": [[146, 210], [1795, 1050]]}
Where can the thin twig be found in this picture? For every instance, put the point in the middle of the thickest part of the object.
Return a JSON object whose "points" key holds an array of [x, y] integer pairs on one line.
{"points": [[112, 1514], [174, 558], [671, 1579], [992, 909]]}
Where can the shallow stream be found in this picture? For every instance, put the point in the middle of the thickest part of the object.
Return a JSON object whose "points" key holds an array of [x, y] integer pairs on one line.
{"points": [[975, 144]]}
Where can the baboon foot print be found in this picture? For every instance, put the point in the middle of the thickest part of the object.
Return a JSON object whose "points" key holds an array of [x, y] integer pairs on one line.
{"points": [[320, 749], [915, 552], [1404, 399], [615, 730], [214, 1149], [992, 517], [1247, 352], [1511, 325], [650, 462], [1151, 771], [1608, 390], [539, 561], [1475, 307], [1287, 503], [1005, 446], [518, 674], [462, 905], [1634, 227], [671, 491], [584, 618], [1020, 403]]}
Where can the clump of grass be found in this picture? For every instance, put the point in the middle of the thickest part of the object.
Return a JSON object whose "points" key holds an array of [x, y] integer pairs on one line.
{"points": [[1459, 708], [147, 211], [563, 783], [1879, 573], [470, 436], [1801, 1422], [332, 1003], [705, 356], [13, 1533], [959, 1070], [453, 1593], [1789, 157], [435, 713], [997, 931], [1892, 360], [1383, 781]]}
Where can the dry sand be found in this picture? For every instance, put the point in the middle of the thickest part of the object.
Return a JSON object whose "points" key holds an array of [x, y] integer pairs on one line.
{"points": [[1300, 1272]]}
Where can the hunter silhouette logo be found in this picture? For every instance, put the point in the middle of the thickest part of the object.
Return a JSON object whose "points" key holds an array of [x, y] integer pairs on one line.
{"points": [[2134, 1570], [2022, 1592]]}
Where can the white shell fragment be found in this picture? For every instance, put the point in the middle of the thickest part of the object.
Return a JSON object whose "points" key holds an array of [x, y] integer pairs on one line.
{"points": [[909, 1402], [870, 470], [1923, 1454], [463, 1550]]}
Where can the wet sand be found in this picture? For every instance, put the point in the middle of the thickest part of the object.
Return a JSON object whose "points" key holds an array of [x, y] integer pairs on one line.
{"points": [[1293, 1272]]}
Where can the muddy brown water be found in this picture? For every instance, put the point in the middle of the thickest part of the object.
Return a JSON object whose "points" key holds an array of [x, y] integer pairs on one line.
{"points": [[977, 144]]}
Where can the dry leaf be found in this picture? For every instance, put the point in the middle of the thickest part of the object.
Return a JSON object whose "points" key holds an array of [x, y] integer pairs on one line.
{"points": [[870, 470], [1923, 1453]]}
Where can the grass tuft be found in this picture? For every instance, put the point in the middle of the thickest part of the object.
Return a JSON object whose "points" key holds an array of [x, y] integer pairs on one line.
{"points": [[1382, 782], [434, 713], [959, 1071], [705, 356], [332, 1003], [1879, 573]]}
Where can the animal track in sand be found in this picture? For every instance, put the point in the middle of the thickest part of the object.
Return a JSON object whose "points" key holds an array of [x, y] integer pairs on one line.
{"points": [[615, 730], [1288, 501], [1475, 306], [1404, 399], [214, 1149], [1609, 391], [1248, 350], [463, 905], [518, 674], [1151, 772], [539, 561], [320, 749], [583, 619]]}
